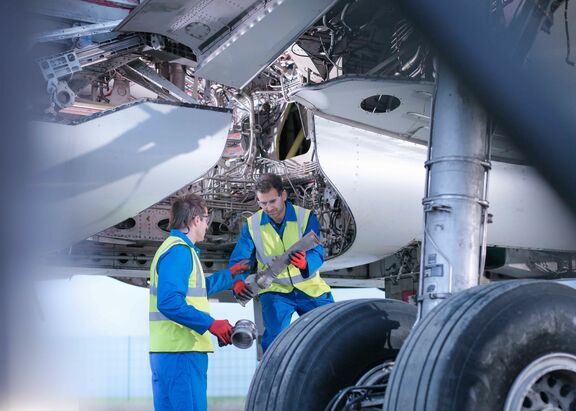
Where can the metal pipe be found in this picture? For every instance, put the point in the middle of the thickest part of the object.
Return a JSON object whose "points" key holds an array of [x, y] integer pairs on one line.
{"points": [[178, 75], [455, 199], [243, 334], [252, 122], [411, 62]]}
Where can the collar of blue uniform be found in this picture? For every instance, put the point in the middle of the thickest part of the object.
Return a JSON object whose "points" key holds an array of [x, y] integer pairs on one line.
{"points": [[289, 216], [180, 234]]}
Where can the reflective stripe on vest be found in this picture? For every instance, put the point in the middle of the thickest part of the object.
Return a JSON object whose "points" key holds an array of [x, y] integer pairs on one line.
{"points": [[166, 335], [192, 292], [157, 316]]}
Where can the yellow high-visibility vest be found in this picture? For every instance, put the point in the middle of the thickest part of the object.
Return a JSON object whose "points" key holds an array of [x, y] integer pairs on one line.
{"points": [[268, 245], [167, 335]]}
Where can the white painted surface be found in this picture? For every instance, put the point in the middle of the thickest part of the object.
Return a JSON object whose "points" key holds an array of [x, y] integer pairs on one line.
{"points": [[341, 99], [382, 180], [98, 173]]}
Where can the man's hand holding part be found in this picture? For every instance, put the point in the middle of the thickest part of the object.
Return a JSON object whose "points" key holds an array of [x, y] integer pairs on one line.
{"points": [[223, 331], [298, 260], [242, 290], [240, 267]]}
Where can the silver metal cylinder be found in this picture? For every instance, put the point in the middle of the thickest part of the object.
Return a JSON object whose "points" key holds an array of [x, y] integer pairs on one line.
{"points": [[244, 333], [178, 75], [455, 203]]}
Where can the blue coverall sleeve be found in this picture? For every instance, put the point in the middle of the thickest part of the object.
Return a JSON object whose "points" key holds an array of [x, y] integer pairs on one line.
{"points": [[244, 249], [315, 256], [219, 281], [174, 268]]}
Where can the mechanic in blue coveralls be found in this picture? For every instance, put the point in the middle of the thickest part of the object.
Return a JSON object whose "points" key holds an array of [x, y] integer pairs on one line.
{"points": [[270, 232], [180, 321]]}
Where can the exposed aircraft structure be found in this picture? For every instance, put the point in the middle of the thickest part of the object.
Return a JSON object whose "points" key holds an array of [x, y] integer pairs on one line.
{"points": [[337, 96]]}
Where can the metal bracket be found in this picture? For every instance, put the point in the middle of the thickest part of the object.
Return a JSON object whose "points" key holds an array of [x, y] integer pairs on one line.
{"points": [[60, 65], [140, 73], [75, 32]]}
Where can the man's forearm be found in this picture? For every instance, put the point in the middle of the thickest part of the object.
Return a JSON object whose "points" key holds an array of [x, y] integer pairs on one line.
{"points": [[186, 315], [219, 281], [314, 260], [244, 249]]}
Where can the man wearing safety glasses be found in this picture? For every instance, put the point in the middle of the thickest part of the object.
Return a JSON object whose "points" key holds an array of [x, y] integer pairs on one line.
{"points": [[269, 233]]}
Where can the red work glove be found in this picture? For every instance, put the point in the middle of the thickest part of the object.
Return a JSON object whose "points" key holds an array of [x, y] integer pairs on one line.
{"points": [[241, 289], [240, 267], [223, 331], [298, 260]]}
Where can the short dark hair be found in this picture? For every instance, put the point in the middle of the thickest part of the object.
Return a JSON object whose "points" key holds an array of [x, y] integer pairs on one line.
{"points": [[268, 181], [184, 209]]}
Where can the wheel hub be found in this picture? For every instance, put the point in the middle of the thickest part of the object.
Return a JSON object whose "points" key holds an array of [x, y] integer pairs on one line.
{"points": [[367, 394], [548, 384]]}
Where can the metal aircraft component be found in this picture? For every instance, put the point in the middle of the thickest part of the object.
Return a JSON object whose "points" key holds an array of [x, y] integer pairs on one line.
{"points": [[343, 114], [244, 334], [455, 203], [87, 12], [398, 108], [61, 94], [388, 173], [190, 22], [263, 279], [221, 32], [75, 32], [336, 96], [275, 25], [368, 392], [502, 263], [141, 73], [395, 107], [59, 66], [110, 167], [549, 382], [97, 53]]}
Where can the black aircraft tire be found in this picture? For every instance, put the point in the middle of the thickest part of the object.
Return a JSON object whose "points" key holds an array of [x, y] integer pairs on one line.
{"points": [[468, 352], [326, 350]]}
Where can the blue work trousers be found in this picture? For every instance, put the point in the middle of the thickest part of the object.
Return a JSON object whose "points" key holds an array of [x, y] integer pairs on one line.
{"points": [[277, 310], [179, 381]]}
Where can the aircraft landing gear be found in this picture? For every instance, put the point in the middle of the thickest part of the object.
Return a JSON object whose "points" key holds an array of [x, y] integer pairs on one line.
{"points": [[329, 349], [503, 346]]}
